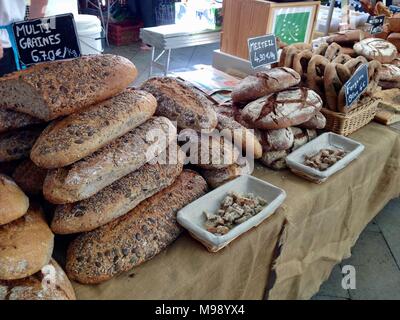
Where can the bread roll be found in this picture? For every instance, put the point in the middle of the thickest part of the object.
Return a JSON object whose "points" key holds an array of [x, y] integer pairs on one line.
{"points": [[118, 198], [11, 120], [15, 145], [134, 238], [263, 83], [181, 102], [283, 109], [51, 283], [53, 89], [80, 134], [30, 177], [13, 202], [26, 245], [128, 153]]}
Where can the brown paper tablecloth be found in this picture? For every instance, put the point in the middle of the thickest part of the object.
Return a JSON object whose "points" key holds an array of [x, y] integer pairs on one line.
{"points": [[323, 223]]}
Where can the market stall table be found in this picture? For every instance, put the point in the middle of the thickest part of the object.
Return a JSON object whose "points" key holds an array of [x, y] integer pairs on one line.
{"points": [[314, 230]]}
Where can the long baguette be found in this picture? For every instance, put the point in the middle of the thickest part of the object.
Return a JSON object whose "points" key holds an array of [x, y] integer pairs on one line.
{"points": [[88, 176], [54, 89], [118, 198], [80, 134], [134, 238]]}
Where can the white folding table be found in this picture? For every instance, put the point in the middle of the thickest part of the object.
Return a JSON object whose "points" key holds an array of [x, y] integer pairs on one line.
{"points": [[165, 38]]}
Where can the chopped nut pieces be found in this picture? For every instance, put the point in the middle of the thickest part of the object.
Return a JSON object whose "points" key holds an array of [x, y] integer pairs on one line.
{"points": [[234, 209], [324, 159]]}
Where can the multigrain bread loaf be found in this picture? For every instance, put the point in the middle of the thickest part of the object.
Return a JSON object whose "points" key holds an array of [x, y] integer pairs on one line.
{"points": [[30, 177], [134, 238], [51, 283], [218, 177], [283, 109], [13, 202], [119, 197], [11, 120], [42, 91], [181, 102], [26, 245], [15, 145], [128, 153], [80, 134], [263, 83]]}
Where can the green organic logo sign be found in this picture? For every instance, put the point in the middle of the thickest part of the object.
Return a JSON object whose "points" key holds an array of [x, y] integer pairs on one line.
{"points": [[292, 27]]}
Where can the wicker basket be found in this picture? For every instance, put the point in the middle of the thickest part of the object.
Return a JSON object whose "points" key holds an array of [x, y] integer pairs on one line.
{"points": [[346, 123]]}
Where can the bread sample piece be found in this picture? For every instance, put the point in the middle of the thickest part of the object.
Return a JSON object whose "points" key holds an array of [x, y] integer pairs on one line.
{"points": [[80, 134], [208, 151], [276, 140], [11, 120], [134, 238], [378, 49], [26, 245], [263, 83], [128, 153], [283, 109], [242, 137], [50, 283], [318, 121], [181, 102], [30, 177], [218, 177], [13, 202], [394, 38], [118, 198], [42, 91], [15, 145]]}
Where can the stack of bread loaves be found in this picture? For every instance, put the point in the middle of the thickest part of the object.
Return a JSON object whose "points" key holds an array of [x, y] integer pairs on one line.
{"points": [[283, 115], [111, 167]]}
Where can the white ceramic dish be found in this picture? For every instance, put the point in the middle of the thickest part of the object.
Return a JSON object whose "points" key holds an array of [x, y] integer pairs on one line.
{"points": [[192, 218], [296, 159]]}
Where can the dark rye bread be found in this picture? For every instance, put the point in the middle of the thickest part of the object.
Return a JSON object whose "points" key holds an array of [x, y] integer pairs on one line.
{"points": [[26, 245], [134, 238], [119, 197], [51, 283], [128, 153], [181, 102], [17, 144], [53, 89], [11, 120], [80, 134], [284, 109], [263, 83], [30, 177]]}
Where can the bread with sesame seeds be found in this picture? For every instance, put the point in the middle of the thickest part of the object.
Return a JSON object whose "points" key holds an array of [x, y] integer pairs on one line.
{"points": [[80, 134], [134, 238], [53, 89]]}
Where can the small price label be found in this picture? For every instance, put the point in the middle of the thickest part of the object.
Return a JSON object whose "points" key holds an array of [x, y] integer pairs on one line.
{"points": [[356, 85], [377, 23], [262, 50]]}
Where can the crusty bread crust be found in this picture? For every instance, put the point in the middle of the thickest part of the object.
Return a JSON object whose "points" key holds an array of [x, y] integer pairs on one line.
{"points": [[30, 177], [11, 120]]}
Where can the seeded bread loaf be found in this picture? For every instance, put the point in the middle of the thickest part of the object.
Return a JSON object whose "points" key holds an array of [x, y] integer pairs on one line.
{"points": [[26, 245], [118, 198], [50, 90], [51, 283], [134, 238], [181, 102], [11, 120], [263, 83], [80, 134], [13, 202], [30, 177], [128, 153], [15, 145], [284, 109]]}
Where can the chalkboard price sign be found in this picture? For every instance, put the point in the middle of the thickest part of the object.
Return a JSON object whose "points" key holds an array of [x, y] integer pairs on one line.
{"points": [[377, 23], [46, 39], [356, 85], [262, 50]]}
